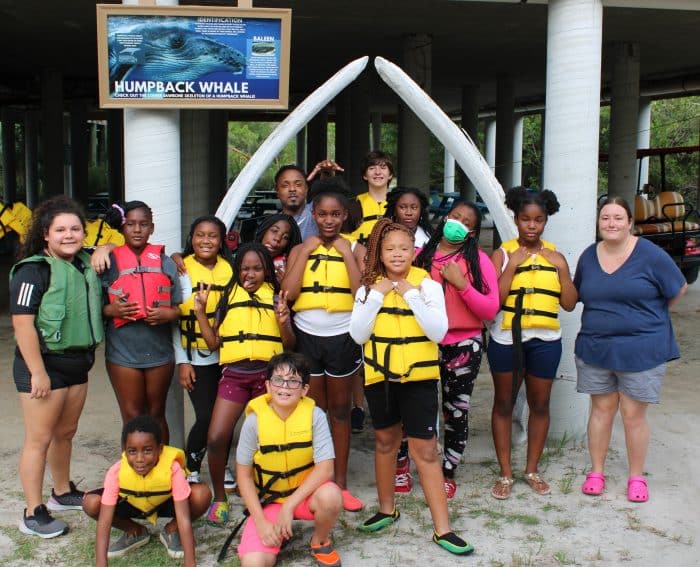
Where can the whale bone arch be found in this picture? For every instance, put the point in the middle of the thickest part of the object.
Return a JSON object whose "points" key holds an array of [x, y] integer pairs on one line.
{"points": [[455, 140]]}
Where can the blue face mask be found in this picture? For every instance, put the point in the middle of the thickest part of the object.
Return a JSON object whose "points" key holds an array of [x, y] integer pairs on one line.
{"points": [[454, 231]]}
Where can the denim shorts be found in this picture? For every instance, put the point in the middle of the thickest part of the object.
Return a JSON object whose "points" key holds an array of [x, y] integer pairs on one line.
{"points": [[540, 358], [643, 386]]}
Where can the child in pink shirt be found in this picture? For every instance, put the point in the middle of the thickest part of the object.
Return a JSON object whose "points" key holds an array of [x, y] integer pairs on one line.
{"points": [[453, 258]]}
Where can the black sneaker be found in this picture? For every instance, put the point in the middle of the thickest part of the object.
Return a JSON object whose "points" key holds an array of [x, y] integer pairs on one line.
{"points": [[42, 524], [72, 500], [357, 419]]}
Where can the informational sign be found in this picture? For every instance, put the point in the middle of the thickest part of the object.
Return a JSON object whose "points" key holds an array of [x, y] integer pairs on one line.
{"points": [[193, 57]]}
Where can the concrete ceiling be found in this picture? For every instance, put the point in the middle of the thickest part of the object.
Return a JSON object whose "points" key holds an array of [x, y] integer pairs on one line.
{"points": [[472, 43]]}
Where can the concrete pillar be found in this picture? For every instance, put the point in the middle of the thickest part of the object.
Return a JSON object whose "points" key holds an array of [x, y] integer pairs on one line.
{"points": [[301, 149], [624, 109], [376, 119], [79, 151], [9, 158], [115, 154], [342, 129], [52, 141], [505, 106], [414, 138], [317, 139], [516, 176], [359, 131], [643, 140], [490, 143], [195, 150], [448, 185], [574, 38], [152, 175], [218, 157], [31, 165], [94, 141], [470, 124]]}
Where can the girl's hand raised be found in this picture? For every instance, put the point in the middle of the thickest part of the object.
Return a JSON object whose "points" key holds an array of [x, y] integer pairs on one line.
{"points": [[282, 311], [402, 286], [383, 286], [201, 297], [518, 256]]}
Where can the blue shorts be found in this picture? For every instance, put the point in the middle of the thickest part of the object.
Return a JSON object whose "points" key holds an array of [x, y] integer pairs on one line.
{"points": [[540, 358]]}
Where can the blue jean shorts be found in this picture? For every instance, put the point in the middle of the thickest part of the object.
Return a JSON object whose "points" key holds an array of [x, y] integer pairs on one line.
{"points": [[643, 386], [540, 358]]}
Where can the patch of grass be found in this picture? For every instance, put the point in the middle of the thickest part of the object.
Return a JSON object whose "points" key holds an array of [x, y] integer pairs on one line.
{"points": [[562, 559], [549, 507], [24, 545], [564, 523], [497, 517], [566, 482]]}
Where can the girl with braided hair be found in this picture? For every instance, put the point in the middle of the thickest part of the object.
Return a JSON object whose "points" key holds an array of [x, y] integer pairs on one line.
{"points": [[533, 282], [399, 317], [468, 278]]}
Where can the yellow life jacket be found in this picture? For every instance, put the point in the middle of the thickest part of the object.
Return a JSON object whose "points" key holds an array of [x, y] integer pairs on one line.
{"points": [[398, 349], [16, 216], [285, 454], [535, 284], [98, 232], [218, 277], [371, 213], [249, 330], [325, 283], [148, 492]]}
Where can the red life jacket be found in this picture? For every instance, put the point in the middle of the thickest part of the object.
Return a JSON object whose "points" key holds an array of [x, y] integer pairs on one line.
{"points": [[140, 279]]}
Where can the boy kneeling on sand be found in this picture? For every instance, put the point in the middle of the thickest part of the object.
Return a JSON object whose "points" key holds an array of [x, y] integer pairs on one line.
{"points": [[285, 466], [148, 482]]}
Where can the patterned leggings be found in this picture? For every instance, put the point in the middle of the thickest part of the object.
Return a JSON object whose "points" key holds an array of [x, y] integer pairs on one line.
{"points": [[459, 366]]}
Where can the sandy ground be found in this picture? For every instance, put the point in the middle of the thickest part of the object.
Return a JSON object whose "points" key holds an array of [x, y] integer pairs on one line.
{"points": [[565, 528]]}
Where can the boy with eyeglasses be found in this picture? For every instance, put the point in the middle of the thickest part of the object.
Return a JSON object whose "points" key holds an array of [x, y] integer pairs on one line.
{"points": [[285, 466]]}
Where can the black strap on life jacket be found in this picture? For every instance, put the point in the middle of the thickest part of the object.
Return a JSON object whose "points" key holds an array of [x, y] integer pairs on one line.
{"points": [[242, 337], [265, 449], [318, 257], [372, 217], [534, 268], [145, 494], [265, 495], [517, 331], [318, 288]]}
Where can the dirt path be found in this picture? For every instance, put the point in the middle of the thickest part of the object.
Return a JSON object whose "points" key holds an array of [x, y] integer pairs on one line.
{"points": [[565, 528]]}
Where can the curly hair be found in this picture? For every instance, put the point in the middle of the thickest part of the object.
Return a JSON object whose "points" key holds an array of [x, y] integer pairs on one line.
{"points": [[42, 218], [469, 249], [374, 269], [392, 200], [224, 250], [142, 424], [517, 198]]}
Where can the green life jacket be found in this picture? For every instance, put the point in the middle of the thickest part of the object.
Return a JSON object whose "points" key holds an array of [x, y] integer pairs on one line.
{"points": [[70, 314]]}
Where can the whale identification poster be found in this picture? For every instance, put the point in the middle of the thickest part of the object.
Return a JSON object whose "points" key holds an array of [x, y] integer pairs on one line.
{"points": [[193, 57]]}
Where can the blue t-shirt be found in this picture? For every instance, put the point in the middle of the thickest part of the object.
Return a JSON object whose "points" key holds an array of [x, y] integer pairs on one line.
{"points": [[625, 324]]}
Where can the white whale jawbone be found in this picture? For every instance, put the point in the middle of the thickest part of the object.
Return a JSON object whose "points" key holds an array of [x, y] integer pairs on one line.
{"points": [[455, 140], [285, 131]]}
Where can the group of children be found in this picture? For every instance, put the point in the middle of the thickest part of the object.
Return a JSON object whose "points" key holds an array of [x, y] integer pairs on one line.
{"points": [[404, 316]]}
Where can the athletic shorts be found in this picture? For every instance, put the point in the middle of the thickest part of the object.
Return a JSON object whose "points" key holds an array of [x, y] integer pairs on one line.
{"points": [[643, 386], [126, 511], [540, 358], [338, 356], [250, 540], [414, 404], [64, 370], [241, 387]]}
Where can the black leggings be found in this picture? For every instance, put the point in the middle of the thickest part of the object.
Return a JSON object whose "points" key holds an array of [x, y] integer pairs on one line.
{"points": [[203, 396]]}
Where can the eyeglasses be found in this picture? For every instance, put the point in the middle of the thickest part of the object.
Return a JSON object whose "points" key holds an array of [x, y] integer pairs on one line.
{"points": [[290, 383]]}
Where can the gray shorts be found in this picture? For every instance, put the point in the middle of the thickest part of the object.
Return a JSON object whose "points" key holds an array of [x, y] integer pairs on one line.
{"points": [[643, 386]]}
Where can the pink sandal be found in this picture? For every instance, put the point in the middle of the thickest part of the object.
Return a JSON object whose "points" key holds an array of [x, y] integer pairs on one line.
{"points": [[637, 490], [594, 484]]}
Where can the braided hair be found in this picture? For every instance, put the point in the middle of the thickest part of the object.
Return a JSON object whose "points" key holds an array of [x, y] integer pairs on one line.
{"points": [[517, 198], [392, 200], [469, 249], [374, 269], [224, 250]]}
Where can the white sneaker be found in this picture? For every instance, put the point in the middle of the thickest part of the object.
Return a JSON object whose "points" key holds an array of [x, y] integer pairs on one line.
{"points": [[193, 477], [230, 484]]}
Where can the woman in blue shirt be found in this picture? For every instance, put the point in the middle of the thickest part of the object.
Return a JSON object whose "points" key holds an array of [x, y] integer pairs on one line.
{"points": [[627, 285]]}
